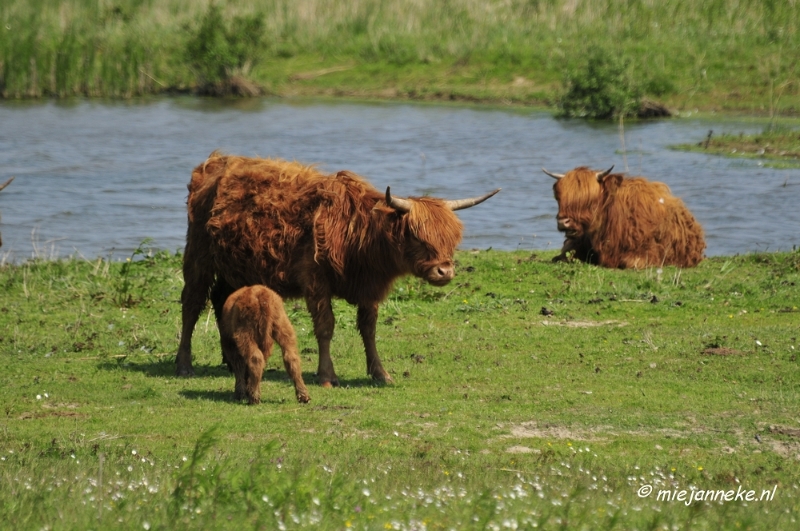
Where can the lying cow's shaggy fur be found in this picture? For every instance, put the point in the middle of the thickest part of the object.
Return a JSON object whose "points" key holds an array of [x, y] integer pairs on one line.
{"points": [[252, 318], [624, 222], [307, 234]]}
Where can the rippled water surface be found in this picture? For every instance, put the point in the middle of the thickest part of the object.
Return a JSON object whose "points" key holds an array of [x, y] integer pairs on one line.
{"points": [[96, 178]]}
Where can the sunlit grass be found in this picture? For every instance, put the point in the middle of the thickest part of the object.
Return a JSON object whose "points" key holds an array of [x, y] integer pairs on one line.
{"points": [[500, 417]]}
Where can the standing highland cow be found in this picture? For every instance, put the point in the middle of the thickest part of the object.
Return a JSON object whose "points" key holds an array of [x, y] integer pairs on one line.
{"points": [[622, 222], [252, 318], [306, 234]]}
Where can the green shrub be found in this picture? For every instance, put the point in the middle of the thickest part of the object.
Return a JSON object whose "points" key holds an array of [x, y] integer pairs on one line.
{"points": [[601, 86], [222, 53]]}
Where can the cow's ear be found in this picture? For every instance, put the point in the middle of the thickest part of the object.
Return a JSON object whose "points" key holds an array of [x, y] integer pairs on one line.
{"points": [[611, 182]]}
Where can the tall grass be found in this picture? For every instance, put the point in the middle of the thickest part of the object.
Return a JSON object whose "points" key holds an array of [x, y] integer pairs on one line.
{"points": [[681, 49]]}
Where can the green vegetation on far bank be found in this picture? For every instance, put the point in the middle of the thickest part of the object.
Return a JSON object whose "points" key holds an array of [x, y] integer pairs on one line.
{"points": [[528, 395], [724, 55], [777, 147]]}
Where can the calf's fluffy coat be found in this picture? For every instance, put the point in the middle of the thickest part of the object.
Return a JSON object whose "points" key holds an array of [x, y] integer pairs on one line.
{"points": [[252, 318]]}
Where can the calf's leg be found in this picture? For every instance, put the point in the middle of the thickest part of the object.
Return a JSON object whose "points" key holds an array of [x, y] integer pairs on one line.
{"points": [[284, 335], [254, 361]]}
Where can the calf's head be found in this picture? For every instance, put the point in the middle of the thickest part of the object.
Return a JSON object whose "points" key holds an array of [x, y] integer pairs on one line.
{"points": [[432, 233], [578, 193]]}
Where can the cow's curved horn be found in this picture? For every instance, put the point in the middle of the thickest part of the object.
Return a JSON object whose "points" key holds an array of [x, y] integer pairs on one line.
{"points": [[397, 203], [459, 204], [602, 174], [6, 183], [555, 176]]}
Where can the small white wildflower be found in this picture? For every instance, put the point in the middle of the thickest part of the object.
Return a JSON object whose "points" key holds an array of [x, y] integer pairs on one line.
{"points": [[133, 452], [146, 526], [38, 397]]}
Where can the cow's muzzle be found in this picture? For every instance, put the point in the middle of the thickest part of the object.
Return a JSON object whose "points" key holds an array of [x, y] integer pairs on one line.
{"points": [[440, 275], [565, 225]]}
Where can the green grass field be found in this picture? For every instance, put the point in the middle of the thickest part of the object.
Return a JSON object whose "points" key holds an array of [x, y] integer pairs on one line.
{"points": [[726, 55], [501, 417]]}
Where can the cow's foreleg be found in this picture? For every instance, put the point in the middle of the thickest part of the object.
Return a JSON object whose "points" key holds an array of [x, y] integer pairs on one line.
{"points": [[568, 247], [367, 321], [322, 316], [197, 283]]}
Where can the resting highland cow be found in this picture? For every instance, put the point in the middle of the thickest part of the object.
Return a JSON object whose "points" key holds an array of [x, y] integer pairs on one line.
{"points": [[252, 318], [306, 234], [620, 222]]}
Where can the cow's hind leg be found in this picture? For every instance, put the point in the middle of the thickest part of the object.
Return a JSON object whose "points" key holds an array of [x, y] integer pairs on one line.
{"points": [[322, 316], [367, 321], [284, 335], [219, 294], [197, 283]]}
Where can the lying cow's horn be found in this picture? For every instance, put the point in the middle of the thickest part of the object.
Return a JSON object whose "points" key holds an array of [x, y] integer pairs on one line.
{"points": [[602, 174], [397, 203], [6, 183], [555, 176], [459, 204]]}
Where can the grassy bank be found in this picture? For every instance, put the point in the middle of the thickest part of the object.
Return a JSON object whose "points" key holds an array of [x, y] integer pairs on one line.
{"points": [[718, 55], [777, 148], [500, 417]]}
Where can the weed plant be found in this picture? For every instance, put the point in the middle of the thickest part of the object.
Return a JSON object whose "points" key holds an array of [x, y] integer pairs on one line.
{"points": [[721, 54], [527, 395]]}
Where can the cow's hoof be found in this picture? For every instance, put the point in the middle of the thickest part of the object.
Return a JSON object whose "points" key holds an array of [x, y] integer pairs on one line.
{"points": [[328, 384], [184, 372], [303, 399], [383, 378]]}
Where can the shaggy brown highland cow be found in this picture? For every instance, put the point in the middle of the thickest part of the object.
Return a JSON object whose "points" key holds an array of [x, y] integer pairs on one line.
{"points": [[252, 318], [306, 234], [624, 222]]}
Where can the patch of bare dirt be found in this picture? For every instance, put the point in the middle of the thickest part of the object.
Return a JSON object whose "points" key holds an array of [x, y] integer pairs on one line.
{"points": [[721, 351], [548, 431], [585, 324], [522, 450], [791, 432]]}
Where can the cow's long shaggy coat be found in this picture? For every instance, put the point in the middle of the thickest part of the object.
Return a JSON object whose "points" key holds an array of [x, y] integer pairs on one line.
{"points": [[306, 234], [252, 319], [621, 222]]}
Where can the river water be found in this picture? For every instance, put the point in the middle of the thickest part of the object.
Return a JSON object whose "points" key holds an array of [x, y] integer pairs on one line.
{"points": [[96, 178]]}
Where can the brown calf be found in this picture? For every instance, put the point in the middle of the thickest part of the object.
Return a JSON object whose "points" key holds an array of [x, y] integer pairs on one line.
{"points": [[252, 318]]}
